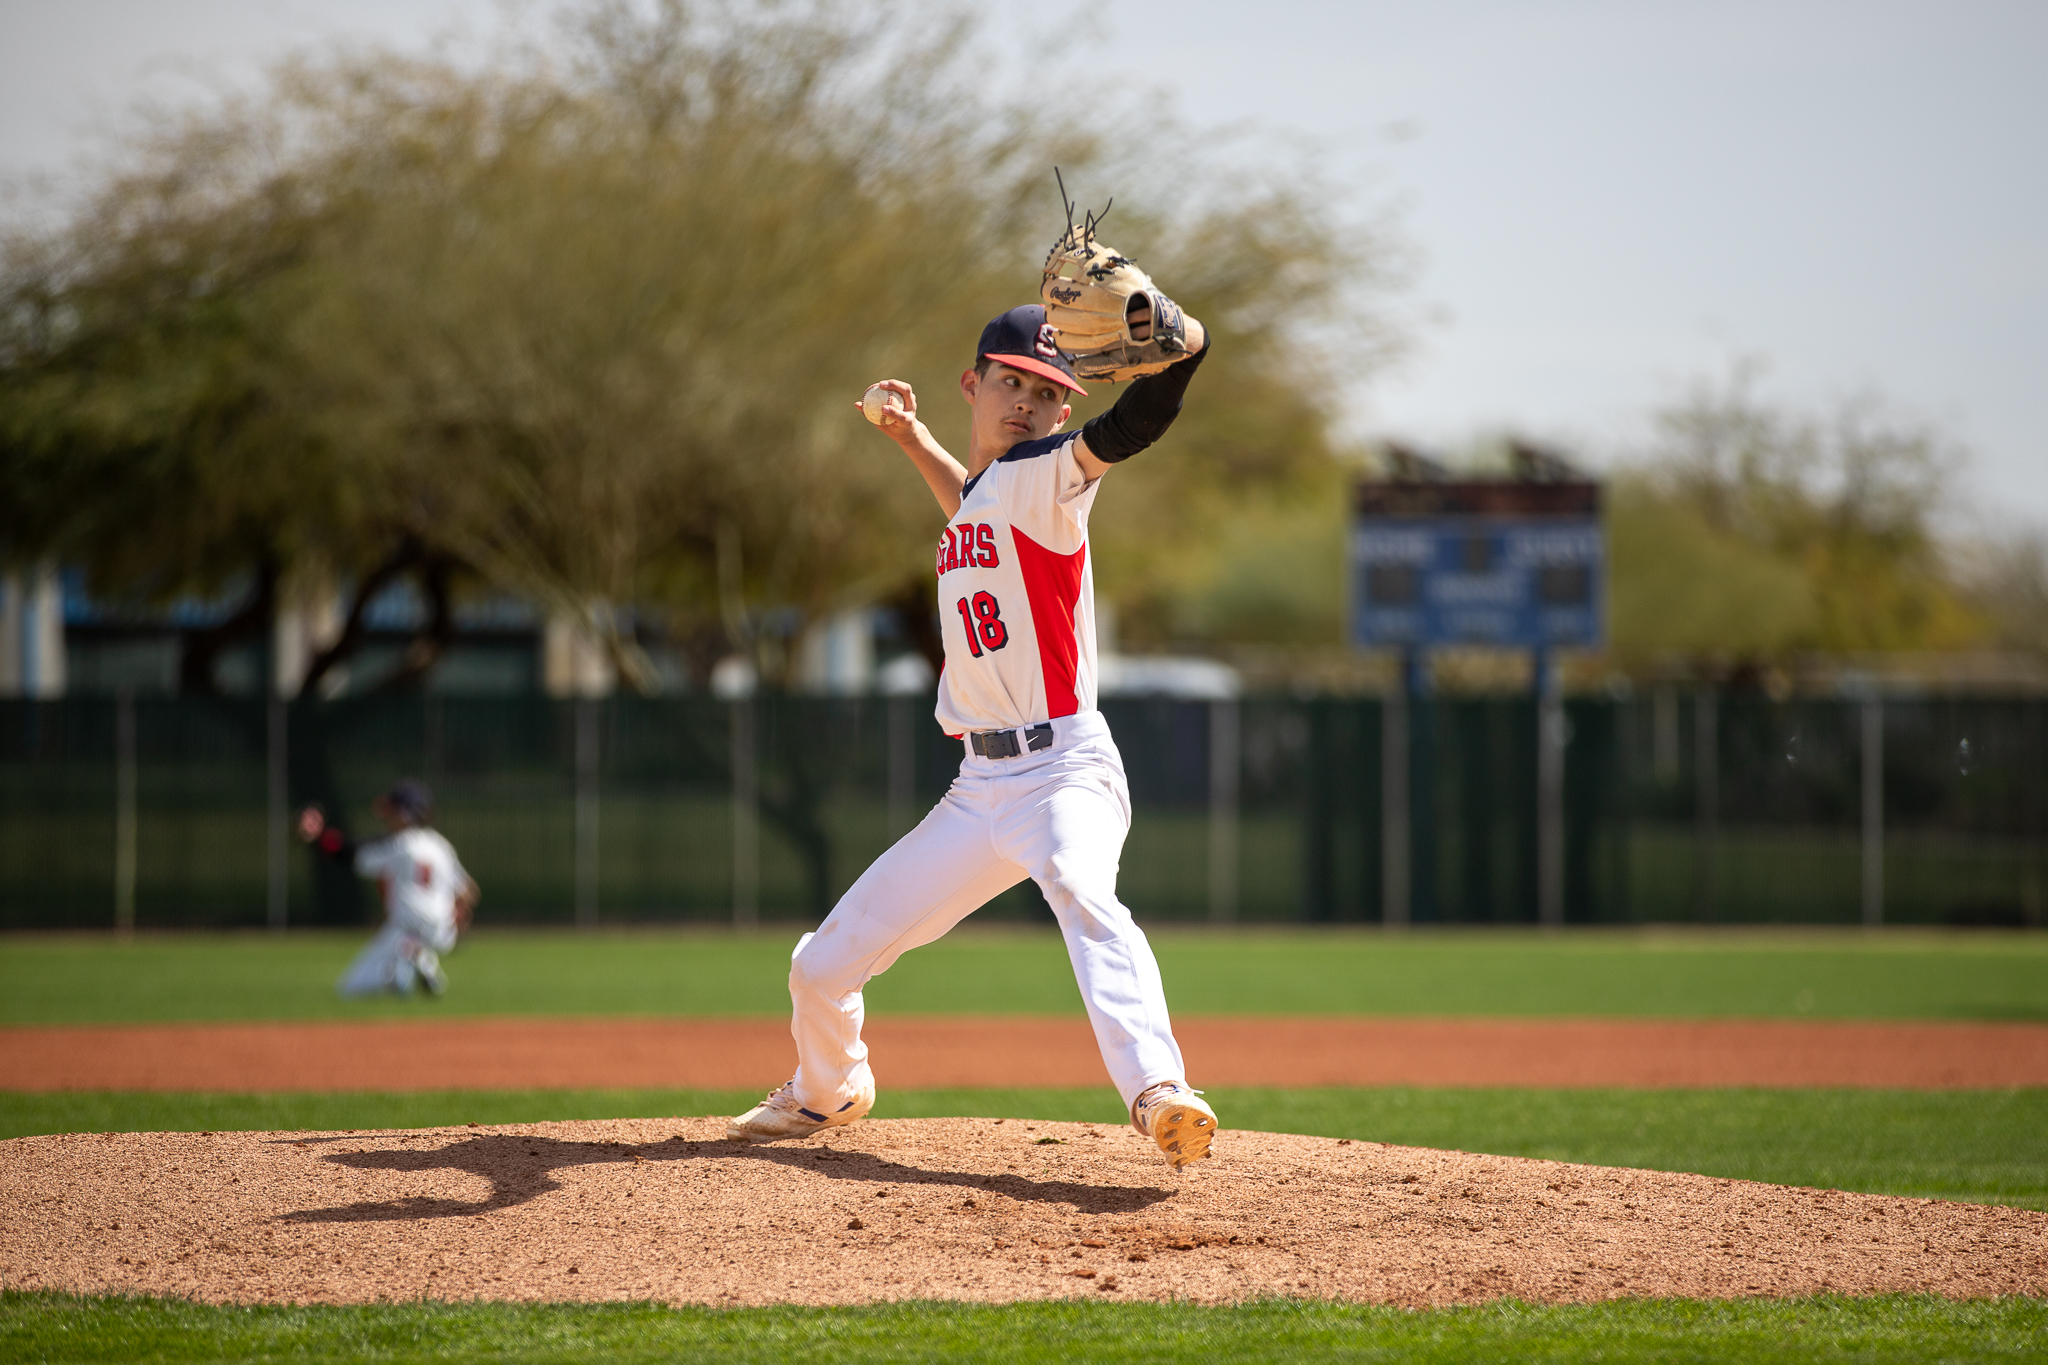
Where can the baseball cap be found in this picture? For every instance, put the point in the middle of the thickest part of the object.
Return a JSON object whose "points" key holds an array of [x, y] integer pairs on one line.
{"points": [[1024, 340], [410, 797]]}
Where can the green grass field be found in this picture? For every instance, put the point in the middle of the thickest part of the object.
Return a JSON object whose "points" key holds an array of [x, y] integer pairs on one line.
{"points": [[1979, 1146], [53, 979], [1903, 1328]]}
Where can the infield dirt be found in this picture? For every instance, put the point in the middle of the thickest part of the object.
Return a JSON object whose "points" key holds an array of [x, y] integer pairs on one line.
{"points": [[919, 1052], [974, 1209]]}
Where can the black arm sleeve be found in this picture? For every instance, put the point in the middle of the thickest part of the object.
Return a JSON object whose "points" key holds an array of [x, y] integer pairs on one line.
{"points": [[1143, 413]]}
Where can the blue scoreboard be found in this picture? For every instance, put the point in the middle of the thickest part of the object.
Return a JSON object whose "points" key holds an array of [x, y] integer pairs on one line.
{"points": [[1517, 564]]}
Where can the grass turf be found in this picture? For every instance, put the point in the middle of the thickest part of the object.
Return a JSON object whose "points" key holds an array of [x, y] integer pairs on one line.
{"points": [[1977, 1146], [1916, 1328], [1907, 974]]}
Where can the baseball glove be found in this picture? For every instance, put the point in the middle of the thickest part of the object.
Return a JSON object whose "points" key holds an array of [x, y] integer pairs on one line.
{"points": [[1111, 318]]}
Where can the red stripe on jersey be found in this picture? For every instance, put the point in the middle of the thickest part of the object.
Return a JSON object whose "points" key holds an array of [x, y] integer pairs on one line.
{"points": [[1052, 584]]}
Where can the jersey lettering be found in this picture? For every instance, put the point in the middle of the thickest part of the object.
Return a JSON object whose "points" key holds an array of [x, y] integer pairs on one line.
{"points": [[972, 546]]}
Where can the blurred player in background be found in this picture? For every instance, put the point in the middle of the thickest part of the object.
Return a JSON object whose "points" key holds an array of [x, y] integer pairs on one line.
{"points": [[428, 897]]}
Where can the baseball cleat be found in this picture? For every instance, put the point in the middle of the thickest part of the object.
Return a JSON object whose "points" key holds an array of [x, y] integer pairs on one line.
{"points": [[1178, 1119], [428, 965], [781, 1116]]}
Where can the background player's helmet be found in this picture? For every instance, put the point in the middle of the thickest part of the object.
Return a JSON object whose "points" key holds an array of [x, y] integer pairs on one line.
{"points": [[410, 798], [1024, 340]]}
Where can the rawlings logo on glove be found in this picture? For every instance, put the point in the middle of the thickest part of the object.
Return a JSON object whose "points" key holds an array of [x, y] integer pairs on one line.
{"points": [[1112, 320]]}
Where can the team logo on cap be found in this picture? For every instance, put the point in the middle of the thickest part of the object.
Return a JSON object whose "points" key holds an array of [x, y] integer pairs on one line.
{"points": [[1048, 343]]}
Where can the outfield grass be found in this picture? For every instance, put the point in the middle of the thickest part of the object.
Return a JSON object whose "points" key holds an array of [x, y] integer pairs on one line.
{"points": [[1904, 1328], [1910, 974], [1971, 1145]]}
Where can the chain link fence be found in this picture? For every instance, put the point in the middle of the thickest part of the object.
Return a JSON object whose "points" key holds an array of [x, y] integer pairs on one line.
{"points": [[1677, 807]]}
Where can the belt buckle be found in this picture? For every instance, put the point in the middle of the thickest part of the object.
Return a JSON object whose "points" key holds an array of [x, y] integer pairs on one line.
{"points": [[1004, 743], [996, 744]]}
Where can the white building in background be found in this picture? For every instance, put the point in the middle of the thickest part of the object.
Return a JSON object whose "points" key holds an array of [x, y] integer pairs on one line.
{"points": [[55, 638], [308, 621], [1187, 677], [734, 677], [906, 675], [573, 663], [1167, 675], [32, 656], [836, 657]]}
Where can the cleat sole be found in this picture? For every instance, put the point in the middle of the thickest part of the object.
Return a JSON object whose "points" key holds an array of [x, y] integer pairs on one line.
{"points": [[1184, 1134]]}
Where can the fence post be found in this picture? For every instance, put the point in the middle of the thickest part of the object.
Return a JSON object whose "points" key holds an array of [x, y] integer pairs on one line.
{"points": [[1706, 763], [1664, 733], [902, 767], [1224, 749], [1550, 741], [2035, 762], [586, 811], [1396, 835], [124, 811], [276, 818], [1873, 811], [746, 819]]}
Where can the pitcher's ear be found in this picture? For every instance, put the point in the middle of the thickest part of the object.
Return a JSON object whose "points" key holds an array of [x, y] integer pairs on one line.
{"points": [[970, 385]]}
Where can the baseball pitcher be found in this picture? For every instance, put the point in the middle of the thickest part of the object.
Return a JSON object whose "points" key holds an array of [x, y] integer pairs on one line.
{"points": [[1041, 791]]}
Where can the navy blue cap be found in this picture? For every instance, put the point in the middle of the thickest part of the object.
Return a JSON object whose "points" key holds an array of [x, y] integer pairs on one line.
{"points": [[1024, 340], [410, 798]]}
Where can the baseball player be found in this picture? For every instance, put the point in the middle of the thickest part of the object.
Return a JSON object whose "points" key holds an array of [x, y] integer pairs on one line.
{"points": [[428, 897], [1041, 791]]}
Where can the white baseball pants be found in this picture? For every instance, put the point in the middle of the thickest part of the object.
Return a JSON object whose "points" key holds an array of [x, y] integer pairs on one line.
{"points": [[1058, 816], [391, 961]]}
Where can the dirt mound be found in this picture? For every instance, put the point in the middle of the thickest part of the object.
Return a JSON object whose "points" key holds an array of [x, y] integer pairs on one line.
{"points": [[939, 1208]]}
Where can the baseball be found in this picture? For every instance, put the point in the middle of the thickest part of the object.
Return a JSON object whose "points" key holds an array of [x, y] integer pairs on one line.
{"points": [[878, 400]]}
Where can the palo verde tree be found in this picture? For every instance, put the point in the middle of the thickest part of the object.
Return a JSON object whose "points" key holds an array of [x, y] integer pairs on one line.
{"points": [[584, 319], [1749, 533]]}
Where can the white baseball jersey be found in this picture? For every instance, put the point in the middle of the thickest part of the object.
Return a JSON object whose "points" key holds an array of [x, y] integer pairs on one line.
{"points": [[1017, 594], [418, 876]]}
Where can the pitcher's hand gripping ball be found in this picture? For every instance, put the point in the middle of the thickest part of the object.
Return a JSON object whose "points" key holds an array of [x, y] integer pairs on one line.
{"points": [[1112, 319], [879, 402]]}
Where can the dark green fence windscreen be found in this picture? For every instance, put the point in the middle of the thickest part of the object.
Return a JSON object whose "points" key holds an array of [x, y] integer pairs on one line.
{"points": [[1679, 806]]}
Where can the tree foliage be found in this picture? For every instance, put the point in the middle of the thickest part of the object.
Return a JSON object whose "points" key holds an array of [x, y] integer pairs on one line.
{"points": [[582, 322], [1751, 532]]}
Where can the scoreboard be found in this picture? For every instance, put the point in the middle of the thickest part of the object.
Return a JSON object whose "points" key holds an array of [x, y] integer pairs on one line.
{"points": [[1516, 564]]}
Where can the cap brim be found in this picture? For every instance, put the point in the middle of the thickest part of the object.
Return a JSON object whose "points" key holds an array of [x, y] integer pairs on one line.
{"points": [[1040, 367]]}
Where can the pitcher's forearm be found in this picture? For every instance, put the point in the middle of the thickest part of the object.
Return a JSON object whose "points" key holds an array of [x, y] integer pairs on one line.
{"points": [[943, 474]]}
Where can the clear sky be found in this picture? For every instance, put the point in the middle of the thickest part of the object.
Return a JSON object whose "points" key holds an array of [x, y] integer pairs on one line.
{"points": [[1610, 198]]}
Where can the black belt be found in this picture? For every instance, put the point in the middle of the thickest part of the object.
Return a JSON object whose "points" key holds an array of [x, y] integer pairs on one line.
{"points": [[1003, 743]]}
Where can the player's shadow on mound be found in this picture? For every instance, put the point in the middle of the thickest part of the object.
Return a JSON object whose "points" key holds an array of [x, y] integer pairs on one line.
{"points": [[520, 1169], [836, 1165]]}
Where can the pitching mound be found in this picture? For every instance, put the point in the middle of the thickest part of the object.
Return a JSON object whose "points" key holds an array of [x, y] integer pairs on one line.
{"points": [[939, 1208]]}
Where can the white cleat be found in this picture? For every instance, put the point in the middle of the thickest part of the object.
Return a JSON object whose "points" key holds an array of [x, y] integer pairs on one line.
{"points": [[1178, 1119], [780, 1116], [428, 965]]}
